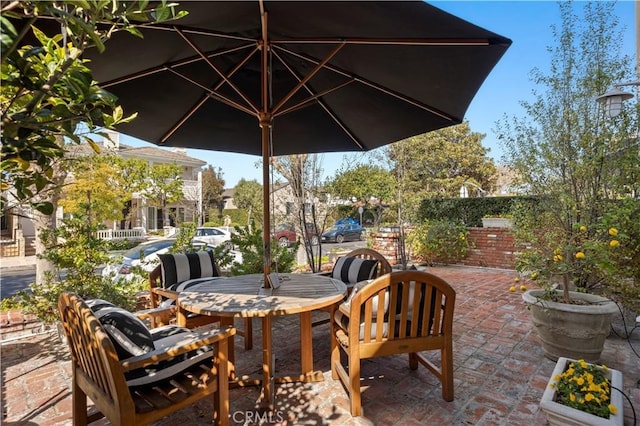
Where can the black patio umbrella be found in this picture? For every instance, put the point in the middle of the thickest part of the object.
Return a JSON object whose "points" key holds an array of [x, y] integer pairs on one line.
{"points": [[282, 77]]}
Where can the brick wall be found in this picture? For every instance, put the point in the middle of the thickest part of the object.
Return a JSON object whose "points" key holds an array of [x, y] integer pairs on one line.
{"points": [[492, 247]]}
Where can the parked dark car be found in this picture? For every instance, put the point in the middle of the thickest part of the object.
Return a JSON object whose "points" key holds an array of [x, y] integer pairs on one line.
{"points": [[341, 233], [285, 234]]}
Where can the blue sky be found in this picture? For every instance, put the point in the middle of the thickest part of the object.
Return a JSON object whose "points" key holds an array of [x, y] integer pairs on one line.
{"points": [[526, 23]]}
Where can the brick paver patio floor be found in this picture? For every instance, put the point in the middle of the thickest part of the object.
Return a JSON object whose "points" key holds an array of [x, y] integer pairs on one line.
{"points": [[499, 368]]}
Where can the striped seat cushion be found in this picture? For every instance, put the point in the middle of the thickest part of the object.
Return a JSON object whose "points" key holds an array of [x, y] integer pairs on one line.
{"points": [[177, 268], [351, 270], [163, 338], [129, 335]]}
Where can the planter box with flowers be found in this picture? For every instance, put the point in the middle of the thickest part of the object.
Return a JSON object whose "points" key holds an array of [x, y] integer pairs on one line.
{"points": [[582, 394]]}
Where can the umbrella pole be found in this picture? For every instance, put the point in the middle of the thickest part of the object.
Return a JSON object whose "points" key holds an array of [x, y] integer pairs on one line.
{"points": [[265, 125]]}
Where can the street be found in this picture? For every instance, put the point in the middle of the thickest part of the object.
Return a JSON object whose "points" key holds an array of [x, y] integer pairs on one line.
{"points": [[12, 281]]}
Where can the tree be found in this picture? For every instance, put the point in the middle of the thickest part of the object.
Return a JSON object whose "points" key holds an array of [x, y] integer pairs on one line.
{"points": [[212, 188], [164, 186], [439, 162], [248, 195], [96, 190], [302, 173], [566, 151], [47, 90], [48, 93], [369, 184]]}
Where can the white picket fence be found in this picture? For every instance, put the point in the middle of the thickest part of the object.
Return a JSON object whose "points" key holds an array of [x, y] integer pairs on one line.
{"points": [[122, 234]]}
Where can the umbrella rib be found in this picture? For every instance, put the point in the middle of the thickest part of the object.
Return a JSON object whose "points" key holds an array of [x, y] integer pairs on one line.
{"points": [[375, 86], [391, 41], [220, 73], [308, 77], [171, 65], [320, 102], [314, 97], [197, 31]]}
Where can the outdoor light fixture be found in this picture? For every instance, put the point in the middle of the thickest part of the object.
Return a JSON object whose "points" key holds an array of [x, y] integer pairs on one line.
{"points": [[612, 100]]}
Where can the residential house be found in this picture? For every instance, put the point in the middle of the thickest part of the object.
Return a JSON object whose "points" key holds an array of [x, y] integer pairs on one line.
{"points": [[18, 231]]}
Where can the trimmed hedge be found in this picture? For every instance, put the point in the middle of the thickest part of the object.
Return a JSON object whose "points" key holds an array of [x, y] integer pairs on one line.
{"points": [[470, 211]]}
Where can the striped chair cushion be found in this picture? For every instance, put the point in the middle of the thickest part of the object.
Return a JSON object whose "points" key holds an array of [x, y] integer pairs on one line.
{"points": [[177, 268], [351, 270], [165, 337], [129, 335]]}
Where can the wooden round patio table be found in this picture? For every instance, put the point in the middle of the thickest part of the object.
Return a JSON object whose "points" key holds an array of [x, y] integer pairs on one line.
{"points": [[243, 296]]}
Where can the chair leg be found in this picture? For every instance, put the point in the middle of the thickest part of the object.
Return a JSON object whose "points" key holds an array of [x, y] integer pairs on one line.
{"points": [[335, 350], [79, 404], [446, 355], [413, 361], [354, 383]]}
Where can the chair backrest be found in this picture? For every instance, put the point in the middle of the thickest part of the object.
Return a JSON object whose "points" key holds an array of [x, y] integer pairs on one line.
{"points": [[156, 276], [95, 362], [402, 305], [383, 267]]}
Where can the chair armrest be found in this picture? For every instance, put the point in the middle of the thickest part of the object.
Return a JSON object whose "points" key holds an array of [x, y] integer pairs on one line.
{"points": [[169, 294], [156, 316], [196, 339]]}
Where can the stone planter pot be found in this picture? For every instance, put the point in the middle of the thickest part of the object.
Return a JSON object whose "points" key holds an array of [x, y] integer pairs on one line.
{"points": [[496, 222], [558, 414], [572, 331]]}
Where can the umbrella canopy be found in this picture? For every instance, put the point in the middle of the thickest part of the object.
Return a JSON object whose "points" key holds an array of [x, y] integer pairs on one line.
{"points": [[276, 78]]}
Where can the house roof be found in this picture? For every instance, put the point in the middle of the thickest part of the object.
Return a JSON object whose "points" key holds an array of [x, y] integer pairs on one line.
{"points": [[149, 153]]}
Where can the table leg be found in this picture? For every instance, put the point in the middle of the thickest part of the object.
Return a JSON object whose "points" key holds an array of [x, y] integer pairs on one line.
{"points": [[268, 367], [306, 346]]}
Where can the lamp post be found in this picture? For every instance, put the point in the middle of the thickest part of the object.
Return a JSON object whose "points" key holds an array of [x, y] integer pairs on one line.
{"points": [[612, 100]]}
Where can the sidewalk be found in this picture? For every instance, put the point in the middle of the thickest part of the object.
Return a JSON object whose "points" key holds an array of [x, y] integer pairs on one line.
{"points": [[15, 262], [500, 372]]}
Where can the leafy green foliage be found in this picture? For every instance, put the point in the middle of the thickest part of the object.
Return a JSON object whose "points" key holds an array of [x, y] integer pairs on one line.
{"points": [[248, 196], [442, 241], [76, 253], [470, 211], [47, 89], [212, 188], [250, 244], [566, 151]]}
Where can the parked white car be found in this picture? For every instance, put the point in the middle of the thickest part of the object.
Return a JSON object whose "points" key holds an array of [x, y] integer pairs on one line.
{"points": [[145, 256], [214, 236]]}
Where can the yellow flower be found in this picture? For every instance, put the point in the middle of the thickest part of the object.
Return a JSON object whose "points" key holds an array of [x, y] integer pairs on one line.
{"points": [[580, 381], [512, 288], [613, 409], [614, 243], [523, 288], [557, 258], [534, 276], [516, 280], [572, 397], [589, 397], [579, 255], [583, 228], [613, 232]]}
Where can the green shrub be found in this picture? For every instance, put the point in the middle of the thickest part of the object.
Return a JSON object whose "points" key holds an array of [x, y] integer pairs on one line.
{"points": [[250, 244], [74, 249], [443, 241]]}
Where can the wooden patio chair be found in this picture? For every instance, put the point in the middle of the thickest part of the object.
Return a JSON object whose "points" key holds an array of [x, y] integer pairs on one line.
{"points": [[402, 312], [99, 374], [374, 266], [164, 313]]}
